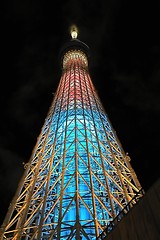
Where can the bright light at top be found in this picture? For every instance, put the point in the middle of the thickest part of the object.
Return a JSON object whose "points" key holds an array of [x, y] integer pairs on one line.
{"points": [[74, 32]]}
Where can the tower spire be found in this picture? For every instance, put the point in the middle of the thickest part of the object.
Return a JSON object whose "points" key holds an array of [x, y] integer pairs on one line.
{"points": [[74, 31]]}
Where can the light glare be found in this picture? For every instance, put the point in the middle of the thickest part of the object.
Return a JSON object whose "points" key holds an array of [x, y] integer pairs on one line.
{"points": [[74, 32]]}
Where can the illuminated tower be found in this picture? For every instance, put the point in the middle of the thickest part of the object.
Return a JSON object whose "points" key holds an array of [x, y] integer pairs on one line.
{"points": [[78, 178]]}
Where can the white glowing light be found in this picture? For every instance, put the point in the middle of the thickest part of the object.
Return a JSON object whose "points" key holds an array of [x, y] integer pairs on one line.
{"points": [[74, 32]]}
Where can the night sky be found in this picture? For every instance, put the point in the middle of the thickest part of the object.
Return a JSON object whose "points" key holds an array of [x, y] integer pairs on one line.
{"points": [[124, 41]]}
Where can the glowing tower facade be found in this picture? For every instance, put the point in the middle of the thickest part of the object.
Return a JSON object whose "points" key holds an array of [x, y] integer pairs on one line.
{"points": [[78, 178]]}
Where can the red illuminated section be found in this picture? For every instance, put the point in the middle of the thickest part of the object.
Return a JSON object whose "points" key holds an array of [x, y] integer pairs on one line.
{"points": [[76, 88]]}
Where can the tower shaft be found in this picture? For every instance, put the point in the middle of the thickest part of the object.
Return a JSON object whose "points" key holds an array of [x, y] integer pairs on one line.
{"points": [[78, 178]]}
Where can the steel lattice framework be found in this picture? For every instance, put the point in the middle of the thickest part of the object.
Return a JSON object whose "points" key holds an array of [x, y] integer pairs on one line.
{"points": [[78, 178]]}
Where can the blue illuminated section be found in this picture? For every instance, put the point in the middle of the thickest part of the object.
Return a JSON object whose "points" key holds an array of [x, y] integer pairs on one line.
{"points": [[76, 138], [75, 131]]}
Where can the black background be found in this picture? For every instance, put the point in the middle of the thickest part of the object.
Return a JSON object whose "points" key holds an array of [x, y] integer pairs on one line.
{"points": [[123, 37]]}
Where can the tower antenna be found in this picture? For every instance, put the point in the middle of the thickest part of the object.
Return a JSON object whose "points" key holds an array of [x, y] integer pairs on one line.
{"points": [[74, 31]]}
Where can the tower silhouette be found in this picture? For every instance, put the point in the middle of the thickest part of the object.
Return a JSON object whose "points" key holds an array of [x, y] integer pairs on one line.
{"points": [[78, 178]]}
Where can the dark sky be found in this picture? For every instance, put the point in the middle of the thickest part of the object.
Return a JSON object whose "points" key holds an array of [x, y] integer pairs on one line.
{"points": [[123, 37]]}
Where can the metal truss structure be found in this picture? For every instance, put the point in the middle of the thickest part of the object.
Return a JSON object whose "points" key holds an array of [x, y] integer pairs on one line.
{"points": [[78, 178]]}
